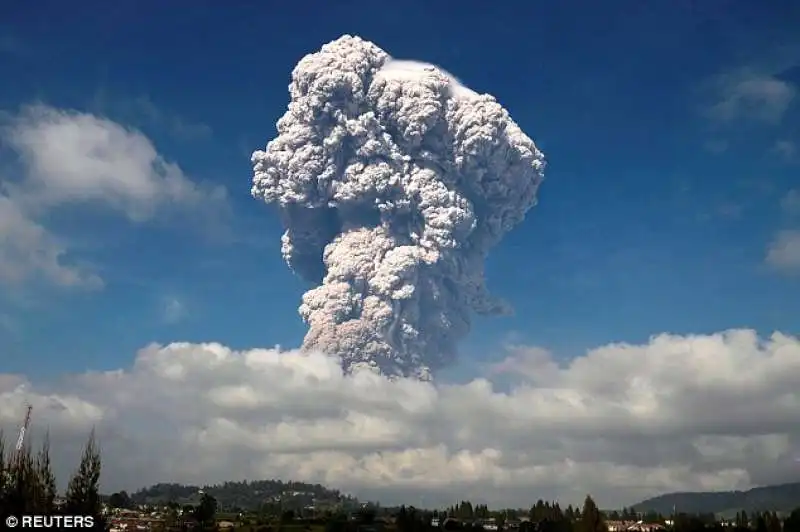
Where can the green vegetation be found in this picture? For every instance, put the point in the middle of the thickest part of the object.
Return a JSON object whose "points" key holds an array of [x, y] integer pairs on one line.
{"points": [[28, 486], [247, 495]]}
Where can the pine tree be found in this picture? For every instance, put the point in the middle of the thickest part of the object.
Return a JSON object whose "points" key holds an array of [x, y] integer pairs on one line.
{"points": [[22, 485], [774, 522], [207, 509], [46, 481], [591, 518], [792, 523], [83, 496]]}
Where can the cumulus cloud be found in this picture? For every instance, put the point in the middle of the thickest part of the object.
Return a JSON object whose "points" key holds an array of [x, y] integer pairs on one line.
{"points": [[751, 95], [622, 422], [783, 252], [394, 181], [28, 250], [72, 158]]}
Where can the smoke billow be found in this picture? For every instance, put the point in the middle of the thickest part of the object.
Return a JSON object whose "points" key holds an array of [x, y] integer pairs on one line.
{"points": [[394, 181]]}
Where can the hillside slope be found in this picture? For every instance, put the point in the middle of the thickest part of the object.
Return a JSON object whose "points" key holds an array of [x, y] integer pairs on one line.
{"points": [[245, 495], [780, 498]]}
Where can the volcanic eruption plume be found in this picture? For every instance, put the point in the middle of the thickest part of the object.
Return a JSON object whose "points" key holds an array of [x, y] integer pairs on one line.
{"points": [[393, 181]]}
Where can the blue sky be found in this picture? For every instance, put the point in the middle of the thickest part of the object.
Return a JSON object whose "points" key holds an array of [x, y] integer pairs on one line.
{"points": [[671, 134]]}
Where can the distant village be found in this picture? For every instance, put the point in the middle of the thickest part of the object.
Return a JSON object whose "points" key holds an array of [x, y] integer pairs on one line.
{"points": [[341, 516]]}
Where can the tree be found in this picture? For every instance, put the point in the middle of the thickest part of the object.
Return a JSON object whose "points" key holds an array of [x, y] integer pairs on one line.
{"points": [[337, 523], [121, 499], [21, 485], [366, 515], [774, 522], [83, 497], [206, 510], [46, 480], [792, 523], [591, 518], [745, 523]]}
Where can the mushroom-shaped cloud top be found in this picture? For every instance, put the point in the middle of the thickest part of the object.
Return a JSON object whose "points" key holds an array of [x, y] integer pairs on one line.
{"points": [[394, 181]]}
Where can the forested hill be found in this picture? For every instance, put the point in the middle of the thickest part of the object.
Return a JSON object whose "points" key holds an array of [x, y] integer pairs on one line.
{"points": [[247, 495], [780, 498]]}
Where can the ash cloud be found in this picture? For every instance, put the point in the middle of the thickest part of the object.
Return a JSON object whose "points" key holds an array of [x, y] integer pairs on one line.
{"points": [[394, 181]]}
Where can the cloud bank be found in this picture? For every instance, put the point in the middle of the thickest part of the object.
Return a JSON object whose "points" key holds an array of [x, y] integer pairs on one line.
{"points": [[622, 422]]}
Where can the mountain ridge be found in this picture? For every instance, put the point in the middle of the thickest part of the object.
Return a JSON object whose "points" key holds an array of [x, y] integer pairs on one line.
{"points": [[778, 498]]}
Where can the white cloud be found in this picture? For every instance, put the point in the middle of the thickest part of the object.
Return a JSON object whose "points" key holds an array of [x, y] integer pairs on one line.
{"points": [[172, 310], [748, 94], [28, 250], [623, 422], [77, 158], [783, 252]]}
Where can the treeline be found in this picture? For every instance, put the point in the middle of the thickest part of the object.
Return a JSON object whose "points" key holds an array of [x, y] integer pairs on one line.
{"points": [[541, 517], [541, 511], [28, 485], [550, 517], [755, 522], [246, 495], [463, 517]]}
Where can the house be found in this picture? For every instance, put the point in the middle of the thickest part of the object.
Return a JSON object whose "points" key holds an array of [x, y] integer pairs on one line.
{"points": [[632, 526], [641, 526]]}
